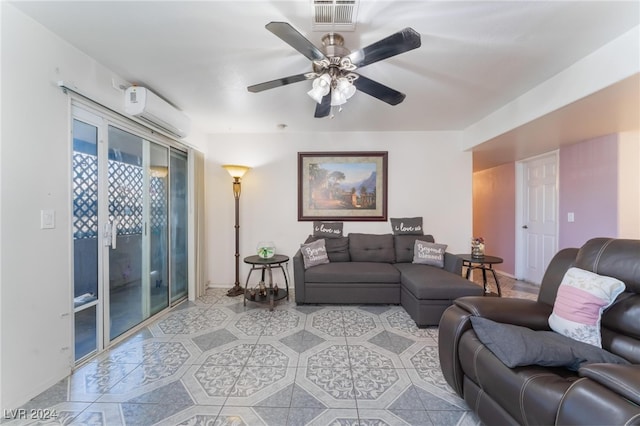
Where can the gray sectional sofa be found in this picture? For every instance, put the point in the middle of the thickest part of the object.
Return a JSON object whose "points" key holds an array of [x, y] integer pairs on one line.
{"points": [[379, 268]]}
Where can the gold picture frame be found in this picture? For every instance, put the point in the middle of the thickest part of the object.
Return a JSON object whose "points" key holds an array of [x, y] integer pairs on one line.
{"points": [[342, 186]]}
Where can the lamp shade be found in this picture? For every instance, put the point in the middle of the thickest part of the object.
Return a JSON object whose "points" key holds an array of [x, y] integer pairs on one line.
{"points": [[235, 170], [320, 88]]}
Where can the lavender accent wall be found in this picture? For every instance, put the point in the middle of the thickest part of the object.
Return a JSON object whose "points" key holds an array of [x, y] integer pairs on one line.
{"points": [[494, 213], [588, 187]]}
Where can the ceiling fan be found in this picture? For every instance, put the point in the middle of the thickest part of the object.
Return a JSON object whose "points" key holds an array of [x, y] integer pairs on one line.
{"points": [[334, 79]]}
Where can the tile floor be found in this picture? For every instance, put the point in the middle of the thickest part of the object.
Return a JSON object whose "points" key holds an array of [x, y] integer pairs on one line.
{"points": [[216, 362]]}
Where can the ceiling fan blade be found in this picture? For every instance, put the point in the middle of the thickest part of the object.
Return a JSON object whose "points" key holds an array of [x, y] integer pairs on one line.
{"points": [[377, 90], [323, 109], [400, 42], [279, 82], [293, 38]]}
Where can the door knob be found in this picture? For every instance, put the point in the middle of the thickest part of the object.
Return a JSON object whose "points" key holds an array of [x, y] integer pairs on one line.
{"points": [[525, 227]]}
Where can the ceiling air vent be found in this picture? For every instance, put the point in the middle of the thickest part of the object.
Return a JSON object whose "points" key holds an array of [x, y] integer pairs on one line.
{"points": [[335, 15]]}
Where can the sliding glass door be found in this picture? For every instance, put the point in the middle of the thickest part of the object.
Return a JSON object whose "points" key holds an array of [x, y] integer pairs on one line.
{"points": [[130, 223], [138, 207]]}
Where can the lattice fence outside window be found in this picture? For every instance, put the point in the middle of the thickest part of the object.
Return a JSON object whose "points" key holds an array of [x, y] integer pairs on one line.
{"points": [[125, 197]]}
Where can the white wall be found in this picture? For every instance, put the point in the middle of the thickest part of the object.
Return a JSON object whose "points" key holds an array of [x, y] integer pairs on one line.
{"points": [[609, 64], [35, 312], [429, 176]]}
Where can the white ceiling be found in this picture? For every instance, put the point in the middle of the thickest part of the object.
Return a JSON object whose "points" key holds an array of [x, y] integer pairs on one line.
{"points": [[475, 56]]}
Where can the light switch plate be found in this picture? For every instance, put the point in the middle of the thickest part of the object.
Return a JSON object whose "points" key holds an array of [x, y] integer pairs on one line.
{"points": [[47, 219]]}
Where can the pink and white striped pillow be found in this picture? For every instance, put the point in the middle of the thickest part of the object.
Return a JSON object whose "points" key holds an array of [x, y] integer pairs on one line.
{"points": [[581, 298]]}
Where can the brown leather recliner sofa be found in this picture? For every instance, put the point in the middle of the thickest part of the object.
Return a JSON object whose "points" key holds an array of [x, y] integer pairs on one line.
{"points": [[595, 394]]}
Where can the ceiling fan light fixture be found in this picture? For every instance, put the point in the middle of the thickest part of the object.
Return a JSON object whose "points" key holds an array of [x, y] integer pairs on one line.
{"points": [[334, 63], [341, 91], [320, 88]]}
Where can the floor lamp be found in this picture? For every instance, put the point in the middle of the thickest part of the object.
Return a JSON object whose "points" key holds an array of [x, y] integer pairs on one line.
{"points": [[236, 173]]}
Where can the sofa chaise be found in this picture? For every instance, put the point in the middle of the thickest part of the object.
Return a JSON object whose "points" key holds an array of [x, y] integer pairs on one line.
{"points": [[379, 268], [548, 374]]}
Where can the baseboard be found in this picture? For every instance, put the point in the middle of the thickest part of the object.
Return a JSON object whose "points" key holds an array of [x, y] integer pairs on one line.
{"points": [[505, 274], [220, 285]]}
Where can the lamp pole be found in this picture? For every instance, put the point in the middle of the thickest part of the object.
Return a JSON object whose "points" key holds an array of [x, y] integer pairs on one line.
{"points": [[236, 172]]}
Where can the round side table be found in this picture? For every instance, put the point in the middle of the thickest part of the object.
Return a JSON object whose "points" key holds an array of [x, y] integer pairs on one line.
{"points": [[484, 263], [273, 294]]}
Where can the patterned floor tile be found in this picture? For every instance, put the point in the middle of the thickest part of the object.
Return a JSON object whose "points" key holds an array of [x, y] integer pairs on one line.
{"points": [[391, 341], [273, 416], [254, 384], [379, 387], [239, 416], [149, 414], [215, 361], [191, 321], [360, 324], [172, 393], [413, 417], [332, 386], [272, 353], [399, 321], [335, 417], [100, 414], [251, 323], [407, 400], [328, 355], [327, 323], [161, 366], [199, 415], [303, 416], [281, 398], [213, 339], [93, 380], [366, 355], [369, 417], [283, 322], [302, 341], [300, 398], [210, 384]]}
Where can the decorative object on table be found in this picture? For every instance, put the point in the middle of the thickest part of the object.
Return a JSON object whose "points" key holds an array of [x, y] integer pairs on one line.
{"points": [[323, 191], [266, 249], [262, 289], [236, 173], [477, 247]]}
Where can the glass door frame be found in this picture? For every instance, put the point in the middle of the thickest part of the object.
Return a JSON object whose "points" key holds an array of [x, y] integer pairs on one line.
{"points": [[85, 111], [92, 119]]}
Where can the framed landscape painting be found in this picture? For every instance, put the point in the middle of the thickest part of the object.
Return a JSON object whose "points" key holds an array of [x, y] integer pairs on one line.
{"points": [[342, 186]]}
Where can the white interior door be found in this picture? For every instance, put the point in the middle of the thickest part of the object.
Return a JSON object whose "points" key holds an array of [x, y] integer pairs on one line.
{"points": [[539, 216]]}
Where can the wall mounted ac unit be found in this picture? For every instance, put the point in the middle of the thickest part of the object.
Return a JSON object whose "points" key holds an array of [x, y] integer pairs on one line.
{"points": [[147, 106]]}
